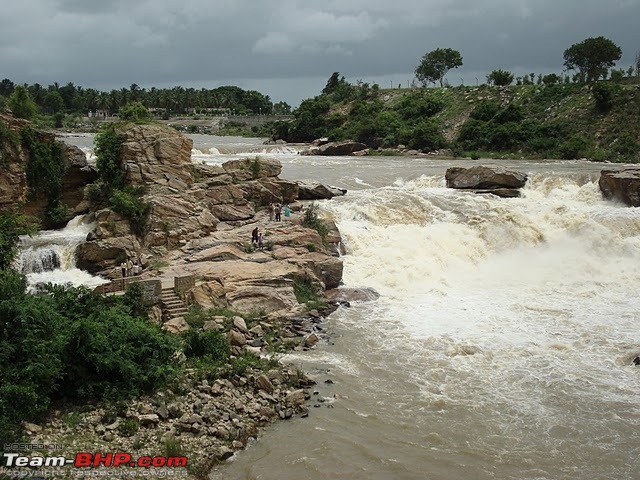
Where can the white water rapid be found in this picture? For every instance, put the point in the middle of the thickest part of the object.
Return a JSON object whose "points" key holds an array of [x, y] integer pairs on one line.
{"points": [[501, 346], [49, 256]]}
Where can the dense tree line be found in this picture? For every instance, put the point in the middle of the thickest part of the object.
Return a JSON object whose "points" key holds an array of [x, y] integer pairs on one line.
{"points": [[71, 99]]}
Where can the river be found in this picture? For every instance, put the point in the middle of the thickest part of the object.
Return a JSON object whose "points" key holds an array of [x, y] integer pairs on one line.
{"points": [[501, 346]]}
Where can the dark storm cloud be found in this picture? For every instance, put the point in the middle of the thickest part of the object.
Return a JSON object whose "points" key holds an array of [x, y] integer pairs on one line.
{"points": [[204, 43]]}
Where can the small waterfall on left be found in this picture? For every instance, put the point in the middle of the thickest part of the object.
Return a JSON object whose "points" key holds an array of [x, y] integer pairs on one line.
{"points": [[49, 256]]}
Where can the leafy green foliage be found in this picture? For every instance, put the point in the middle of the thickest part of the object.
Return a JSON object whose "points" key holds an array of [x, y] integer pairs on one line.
{"points": [[107, 150], [134, 112], [211, 344], [309, 122], [13, 223], [128, 203], [500, 77], [435, 65], [45, 173], [592, 57], [604, 95], [72, 344], [311, 219], [21, 103]]}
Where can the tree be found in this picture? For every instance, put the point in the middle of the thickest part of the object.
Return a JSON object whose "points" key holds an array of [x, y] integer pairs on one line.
{"points": [[500, 77], [134, 112], [6, 87], [54, 101], [435, 65], [592, 57], [551, 79], [21, 103], [637, 64]]}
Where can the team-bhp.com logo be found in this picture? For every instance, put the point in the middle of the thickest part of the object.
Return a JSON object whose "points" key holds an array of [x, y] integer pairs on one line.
{"points": [[85, 459]]}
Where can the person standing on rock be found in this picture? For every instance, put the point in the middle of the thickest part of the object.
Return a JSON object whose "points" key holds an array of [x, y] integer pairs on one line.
{"points": [[278, 211], [287, 210], [271, 210], [254, 236], [260, 241], [123, 267], [129, 268]]}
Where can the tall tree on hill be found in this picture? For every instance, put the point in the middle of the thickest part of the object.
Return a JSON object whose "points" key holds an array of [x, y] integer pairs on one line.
{"points": [[21, 103], [592, 57], [435, 65], [500, 78]]}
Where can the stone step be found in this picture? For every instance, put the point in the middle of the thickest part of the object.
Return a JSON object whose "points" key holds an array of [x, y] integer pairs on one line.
{"points": [[173, 302], [173, 311]]}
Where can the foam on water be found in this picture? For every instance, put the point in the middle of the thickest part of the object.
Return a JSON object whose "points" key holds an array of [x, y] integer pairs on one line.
{"points": [[49, 256]]}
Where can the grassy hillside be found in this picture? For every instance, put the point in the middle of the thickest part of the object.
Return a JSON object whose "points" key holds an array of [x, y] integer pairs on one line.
{"points": [[600, 122]]}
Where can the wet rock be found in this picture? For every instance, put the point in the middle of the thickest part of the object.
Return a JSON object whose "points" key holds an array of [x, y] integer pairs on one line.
{"points": [[352, 295], [317, 191], [224, 453], [622, 185], [311, 340], [484, 178], [297, 397]]}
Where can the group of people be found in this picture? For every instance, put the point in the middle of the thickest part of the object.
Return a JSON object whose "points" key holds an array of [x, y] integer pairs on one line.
{"points": [[129, 268], [257, 239], [275, 211]]}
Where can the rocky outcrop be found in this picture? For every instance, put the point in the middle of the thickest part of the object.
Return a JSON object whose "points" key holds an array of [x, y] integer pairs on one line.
{"points": [[317, 191], [78, 174], [155, 156], [486, 179], [336, 149], [622, 185], [13, 165]]}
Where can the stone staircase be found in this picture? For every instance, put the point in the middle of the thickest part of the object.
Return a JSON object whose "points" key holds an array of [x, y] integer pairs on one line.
{"points": [[172, 304]]}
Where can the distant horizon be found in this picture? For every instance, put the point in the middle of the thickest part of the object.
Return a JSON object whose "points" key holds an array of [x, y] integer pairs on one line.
{"points": [[314, 85]]}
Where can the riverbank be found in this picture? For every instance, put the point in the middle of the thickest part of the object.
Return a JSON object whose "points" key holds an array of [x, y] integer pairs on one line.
{"points": [[244, 304]]}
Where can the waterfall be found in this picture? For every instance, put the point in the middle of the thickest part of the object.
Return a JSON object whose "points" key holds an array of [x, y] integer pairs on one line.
{"points": [[49, 256]]}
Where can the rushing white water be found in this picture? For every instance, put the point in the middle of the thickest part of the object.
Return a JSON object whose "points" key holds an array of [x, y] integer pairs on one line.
{"points": [[500, 347], [49, 256]]}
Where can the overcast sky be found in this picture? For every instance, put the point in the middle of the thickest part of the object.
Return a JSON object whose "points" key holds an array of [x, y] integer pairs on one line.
{"points": [[287, 49]]}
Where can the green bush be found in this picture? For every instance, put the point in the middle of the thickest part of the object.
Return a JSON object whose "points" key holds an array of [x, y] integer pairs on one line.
{"points": [[74, 345], [211, 344], [134, 112], [311, 219], [107, 150], [604, 95], [128, 203], [485, 111], [574, 148]]}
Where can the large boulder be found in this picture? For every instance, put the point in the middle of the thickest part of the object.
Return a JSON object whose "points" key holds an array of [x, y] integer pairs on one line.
{"points": [[484, 177], [346, 148], [317, 191], [622, 185], [156, 156], [96, 256], [340, 148]]}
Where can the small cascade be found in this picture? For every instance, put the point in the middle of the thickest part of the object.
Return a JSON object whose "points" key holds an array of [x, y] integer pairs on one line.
{"points": [[49, 256], [38, 260]]}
